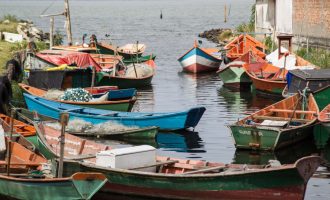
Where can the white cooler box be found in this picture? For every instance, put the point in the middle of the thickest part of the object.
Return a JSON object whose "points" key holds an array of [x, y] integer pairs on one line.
{"points": [[128, 158]]}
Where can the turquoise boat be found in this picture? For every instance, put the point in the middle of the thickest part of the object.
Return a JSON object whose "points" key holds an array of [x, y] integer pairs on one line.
{"points": [[165, 121]]}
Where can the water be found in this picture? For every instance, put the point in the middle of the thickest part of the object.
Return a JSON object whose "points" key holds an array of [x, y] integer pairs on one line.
{"points": [[128, 21]]}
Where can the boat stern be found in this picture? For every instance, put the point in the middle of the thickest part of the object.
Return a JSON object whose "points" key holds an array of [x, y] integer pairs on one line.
{"points": [[87, 184], [193, 116], [306, 166]]}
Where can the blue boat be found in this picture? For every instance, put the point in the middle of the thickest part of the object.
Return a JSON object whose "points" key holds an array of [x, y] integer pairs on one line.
{"points": [[119, 94], [165, 121]]}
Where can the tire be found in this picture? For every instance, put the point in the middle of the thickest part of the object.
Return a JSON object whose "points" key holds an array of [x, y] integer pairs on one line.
{"points": [[17, 71]]}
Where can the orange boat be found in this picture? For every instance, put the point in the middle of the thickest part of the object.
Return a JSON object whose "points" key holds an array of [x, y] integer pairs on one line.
{"points": [[19, 127], [124, 105], [241, 45], [266, 77]]}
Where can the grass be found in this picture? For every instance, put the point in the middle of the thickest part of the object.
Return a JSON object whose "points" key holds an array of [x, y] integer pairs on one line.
{"points": [[225, 35], [318, 57], [247, 27]]}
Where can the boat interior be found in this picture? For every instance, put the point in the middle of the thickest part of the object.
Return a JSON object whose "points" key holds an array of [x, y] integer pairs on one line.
{"points": [[75, 147], [324, 115], [267, 71], [292, 112]]}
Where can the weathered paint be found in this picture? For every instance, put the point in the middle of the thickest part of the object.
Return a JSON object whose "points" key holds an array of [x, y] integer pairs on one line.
{"points": [[165, 121], [286, 183], [122, 82], [198, 60], [235, 77], [251, 135]]}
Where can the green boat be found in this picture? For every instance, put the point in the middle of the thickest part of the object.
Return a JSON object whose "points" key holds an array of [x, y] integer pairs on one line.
{"points": [[195, 179], [27, 181], [234, 76], [322, 131], [277, 126], [132, 133]]}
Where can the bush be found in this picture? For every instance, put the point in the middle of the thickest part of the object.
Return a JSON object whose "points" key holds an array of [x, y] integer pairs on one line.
{"points": [[11, 18]]}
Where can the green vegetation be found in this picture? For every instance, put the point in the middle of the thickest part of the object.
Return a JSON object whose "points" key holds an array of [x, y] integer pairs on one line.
{"points": [[247, 27], [225, 35], [319, 57], [58, 38], [8, 23]]}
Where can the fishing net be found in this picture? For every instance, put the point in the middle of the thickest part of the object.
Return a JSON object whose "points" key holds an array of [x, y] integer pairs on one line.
{"points": [[141, 69], [53, 94], [77, 95], [81, 126]]}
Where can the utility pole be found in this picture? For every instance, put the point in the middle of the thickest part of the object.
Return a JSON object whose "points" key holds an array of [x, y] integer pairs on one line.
{"points": [[68, 21], [66, 13]]}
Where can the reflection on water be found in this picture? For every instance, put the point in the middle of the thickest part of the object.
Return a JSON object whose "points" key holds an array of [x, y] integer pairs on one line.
{"points": [[285, 156]]}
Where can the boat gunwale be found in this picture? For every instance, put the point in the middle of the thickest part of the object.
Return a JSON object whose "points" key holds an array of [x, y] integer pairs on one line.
{"points": [[206, 175], [236, 124], [131, 100], [153, 116]]}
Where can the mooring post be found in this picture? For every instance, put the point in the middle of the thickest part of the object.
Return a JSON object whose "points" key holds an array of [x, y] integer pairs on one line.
{"points": [[51, 33], [12, 114], [64, 119]]}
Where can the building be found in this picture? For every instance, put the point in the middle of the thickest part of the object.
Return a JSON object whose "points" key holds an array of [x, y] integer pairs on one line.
{"points": [[307, 20]]}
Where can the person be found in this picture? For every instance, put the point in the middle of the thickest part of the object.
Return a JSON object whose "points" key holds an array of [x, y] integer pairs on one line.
{"points": [[92, 41]]}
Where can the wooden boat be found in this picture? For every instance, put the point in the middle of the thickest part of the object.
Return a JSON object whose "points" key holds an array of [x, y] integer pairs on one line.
{"points": [[195, 179], [100, 90], [233, 74], [110, 104], [324, 118], [299, 79], [19, 127], [24, 184], [192, 179], [198, 59], [128, 51], [114, 133], [165, 121], [266, 77], [128, 81], [241, 45], [277, 126]]}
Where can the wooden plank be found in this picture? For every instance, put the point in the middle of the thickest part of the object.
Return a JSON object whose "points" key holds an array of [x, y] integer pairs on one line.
{"points": [[280, 119], [157, 164], [204, 170], [291, 111]]}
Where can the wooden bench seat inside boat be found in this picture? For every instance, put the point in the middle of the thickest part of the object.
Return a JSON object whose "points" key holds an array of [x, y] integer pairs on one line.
{"points": [[292, 111], [261, 117]]}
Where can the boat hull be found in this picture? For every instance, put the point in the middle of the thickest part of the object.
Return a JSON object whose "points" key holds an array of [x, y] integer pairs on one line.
{"points": [[286, 183], [235, 77], [268, 86], [165, 121], [78, 186], [197, 60], [268, 139], [124, 83]]}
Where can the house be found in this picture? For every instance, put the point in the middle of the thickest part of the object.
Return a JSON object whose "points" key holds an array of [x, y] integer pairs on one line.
{"points": [[307, 20]]}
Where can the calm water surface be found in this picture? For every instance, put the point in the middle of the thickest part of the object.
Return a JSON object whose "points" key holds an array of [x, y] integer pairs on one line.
{"points": [[128, 21]]}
